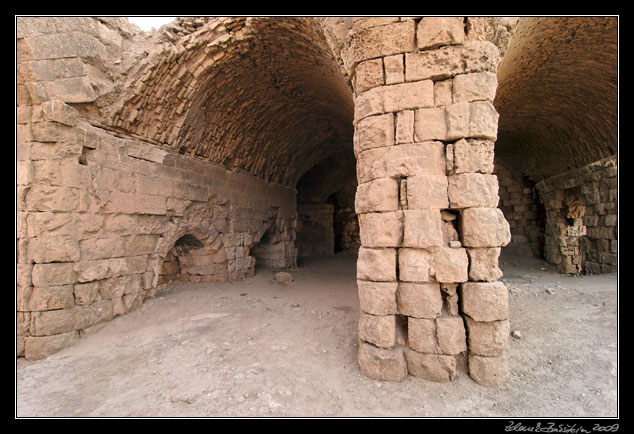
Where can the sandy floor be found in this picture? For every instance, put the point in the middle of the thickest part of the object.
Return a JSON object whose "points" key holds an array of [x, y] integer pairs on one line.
{"points": [[261, 349]]}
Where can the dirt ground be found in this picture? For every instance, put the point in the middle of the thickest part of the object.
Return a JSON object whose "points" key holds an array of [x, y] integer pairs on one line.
{"points": [[258, 348]]}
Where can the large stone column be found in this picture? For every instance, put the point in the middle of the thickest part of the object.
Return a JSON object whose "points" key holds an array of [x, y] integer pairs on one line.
{"points": [[427, 201]]}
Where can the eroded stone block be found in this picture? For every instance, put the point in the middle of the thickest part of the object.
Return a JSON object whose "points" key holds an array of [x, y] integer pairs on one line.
{"points": [[383, 364]]}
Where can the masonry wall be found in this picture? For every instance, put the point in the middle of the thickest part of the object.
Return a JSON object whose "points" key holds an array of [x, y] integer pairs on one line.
{"points": [[98, 214], [315, 231], [519, 201], [582, 218], [427, 200]]}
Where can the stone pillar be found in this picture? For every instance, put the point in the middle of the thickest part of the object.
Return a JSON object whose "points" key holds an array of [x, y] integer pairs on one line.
{"points": [[427, 201]]}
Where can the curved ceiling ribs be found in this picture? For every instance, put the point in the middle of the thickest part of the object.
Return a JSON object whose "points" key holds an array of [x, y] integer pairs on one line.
{"points": [[557, 95], [265, 97]]}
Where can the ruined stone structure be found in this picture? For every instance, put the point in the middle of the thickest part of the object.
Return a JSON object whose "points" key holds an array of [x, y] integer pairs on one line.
{"points": [[214, 145]]}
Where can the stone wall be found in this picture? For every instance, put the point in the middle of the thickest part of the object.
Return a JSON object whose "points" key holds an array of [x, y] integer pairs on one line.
{"points": [[315, 230], [582, 218], [98, 214], [520, 204], [427, 200]]}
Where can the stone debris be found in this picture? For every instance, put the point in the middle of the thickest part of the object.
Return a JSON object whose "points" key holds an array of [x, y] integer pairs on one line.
{"points": [[283, 277]]}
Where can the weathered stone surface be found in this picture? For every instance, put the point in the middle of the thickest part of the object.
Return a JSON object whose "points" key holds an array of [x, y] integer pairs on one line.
{"points": [[448, 61], [421, 335], [433, 32], [380, 41], [489, 371], [40, 347], [444, 335], [451, 335], [470, 155], [487, 338], [51, 297], [485, 301], [484, 227], [422, 228], [376, 264], [419, 300], [374, 132], [473, 190], [53, 274], [381, 363], [427, 191], [432, 367], [483, 264], [474, 87], [393, 66], [381, 229], [451, 265], [378, 195], [283, 277], [405, 160], [369, 74], [414, 265], [378, 330], [377, 298]]}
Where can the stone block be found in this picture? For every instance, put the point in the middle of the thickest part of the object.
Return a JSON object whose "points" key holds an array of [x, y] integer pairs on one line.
{"points": [[489, 371], [484, 227], [433, 32], [381, 41], [485, 301], [378, 330], [87, 316], [381, 229], [448, 61], [472, 155], [408, 96], [487, 338], [432, 367], [419, 300], [457, 118], [483, 120], [430, 124], [473, 190], [52, 198], [451, 265], [381, 363], [480, 86], [427, 191], [422, 228], [51, 297], [53, 274], [394, 72], [414, 265], [52, 322], [369, 74], [87, 271], [483, 264], [87, 293], [377, 298], [401, 161], [53, 249], [376, 264], [421, 335], [404, 126], [71, 90], [58, 111], [451, 335], [378, 195], [443, 93], [40, 347]]}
